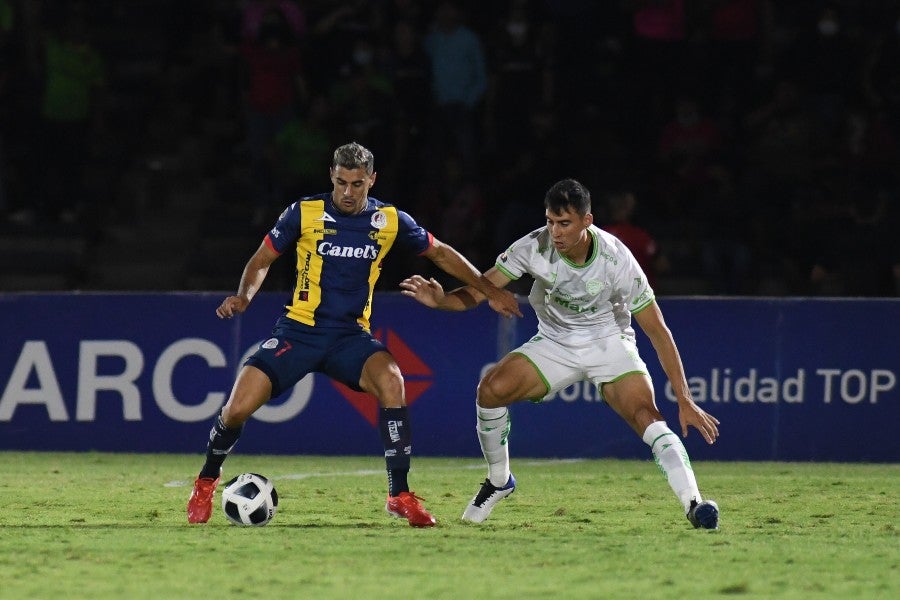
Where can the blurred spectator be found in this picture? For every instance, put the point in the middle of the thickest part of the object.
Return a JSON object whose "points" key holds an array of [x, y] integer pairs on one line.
{"points": [[410, 78], [459, 81], [74, 75], [304, 145], [275, 85], [752, 124], [734, 32], [256, 12], [515, 177], [826, 60], [363, 97], [591, 69], [689, 147], [408, 11], [462, 222], [659, 57], [881, 71], [7, 21], [519, 79], [332, 25], [865, 260], [783, 146], [620, 208]]}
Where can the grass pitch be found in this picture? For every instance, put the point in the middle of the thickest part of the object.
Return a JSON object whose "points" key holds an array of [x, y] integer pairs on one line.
{"points": [[114, 526]]}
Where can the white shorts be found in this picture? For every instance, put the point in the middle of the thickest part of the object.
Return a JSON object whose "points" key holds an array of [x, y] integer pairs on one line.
{"points": [[598, 361]]}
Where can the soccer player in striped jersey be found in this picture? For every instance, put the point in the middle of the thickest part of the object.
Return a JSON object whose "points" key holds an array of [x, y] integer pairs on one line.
{"points": [[341, 238], [587, 286]]}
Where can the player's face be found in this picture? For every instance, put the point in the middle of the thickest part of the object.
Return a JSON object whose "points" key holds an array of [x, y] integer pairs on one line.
{"points": [[351, 189], [568, 230]]}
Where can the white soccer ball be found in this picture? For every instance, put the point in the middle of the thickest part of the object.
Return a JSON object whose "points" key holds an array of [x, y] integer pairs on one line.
{"points": [[249, 499]]}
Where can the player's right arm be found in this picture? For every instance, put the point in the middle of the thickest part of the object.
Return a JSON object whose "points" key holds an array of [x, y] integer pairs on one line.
{"points": [[254, 274], [431, 293]]}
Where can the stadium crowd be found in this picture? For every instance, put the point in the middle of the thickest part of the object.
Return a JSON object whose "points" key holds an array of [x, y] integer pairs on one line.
{"points": [[743, 146]]}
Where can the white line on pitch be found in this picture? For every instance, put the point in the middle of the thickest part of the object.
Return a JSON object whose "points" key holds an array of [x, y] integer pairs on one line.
{"points": [[367, 472]]}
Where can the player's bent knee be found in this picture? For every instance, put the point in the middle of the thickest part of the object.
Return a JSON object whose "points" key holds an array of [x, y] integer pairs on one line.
{"points": [[235, 416], [492, 393], [387, 387], [391, 393]]}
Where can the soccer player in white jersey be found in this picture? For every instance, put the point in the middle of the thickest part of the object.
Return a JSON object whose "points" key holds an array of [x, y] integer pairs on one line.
{"points": [[587, 286]]}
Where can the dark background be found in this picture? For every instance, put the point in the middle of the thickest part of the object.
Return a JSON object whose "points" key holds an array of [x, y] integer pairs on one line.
{"points": [[150, 144]]}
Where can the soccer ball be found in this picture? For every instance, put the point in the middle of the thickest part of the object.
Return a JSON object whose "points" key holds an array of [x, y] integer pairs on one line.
{"points": [[249, 499]]}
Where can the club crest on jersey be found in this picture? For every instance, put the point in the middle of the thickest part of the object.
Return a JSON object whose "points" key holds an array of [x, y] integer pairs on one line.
{"points": [[379, 220], [270, 343], [594, 287]]}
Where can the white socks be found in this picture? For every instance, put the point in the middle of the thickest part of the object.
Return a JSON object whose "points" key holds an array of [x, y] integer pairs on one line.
{"points": [[672, 459], [493, 429], [668, 452]]}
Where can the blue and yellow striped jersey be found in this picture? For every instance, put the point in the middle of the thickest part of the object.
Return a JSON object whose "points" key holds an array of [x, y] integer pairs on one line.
{"points": [[339, 256]]}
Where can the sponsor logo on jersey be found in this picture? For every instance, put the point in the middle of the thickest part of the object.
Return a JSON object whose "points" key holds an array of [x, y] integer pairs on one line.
{"points": [[270, 343], [573, 303], [609, 257], [329, 249], [326, 217], [374, 235], [303, 278], [325, 231], [379, 220]]}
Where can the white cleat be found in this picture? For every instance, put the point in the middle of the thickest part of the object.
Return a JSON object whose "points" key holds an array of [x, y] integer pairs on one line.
{"points": [[488, 496]]}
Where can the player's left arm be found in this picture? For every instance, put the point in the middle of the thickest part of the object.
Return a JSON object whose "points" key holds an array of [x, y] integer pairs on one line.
{"points": [[651, 321], [449, 260], [431, 293]]}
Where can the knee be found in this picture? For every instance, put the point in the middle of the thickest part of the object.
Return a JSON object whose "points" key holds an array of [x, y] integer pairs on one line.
{"points": [[389, 389], [234, 414], [491, 392]]}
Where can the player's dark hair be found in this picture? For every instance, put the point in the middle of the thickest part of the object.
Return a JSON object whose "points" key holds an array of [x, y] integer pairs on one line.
{"points": [[568, 193], [354, 156]]}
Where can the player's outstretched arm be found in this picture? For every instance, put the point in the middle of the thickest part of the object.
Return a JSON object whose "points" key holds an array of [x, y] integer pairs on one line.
{"points": [[453, 263], [254, 274], [430, 293], [689, 414]]}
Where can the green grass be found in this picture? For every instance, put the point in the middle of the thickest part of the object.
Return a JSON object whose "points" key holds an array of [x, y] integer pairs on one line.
{"points": [[113, 526]]}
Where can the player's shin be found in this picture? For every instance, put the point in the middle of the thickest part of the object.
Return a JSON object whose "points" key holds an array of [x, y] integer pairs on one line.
{"points": [[493, 433], [393, 423], [221, 440], [672, 459]]}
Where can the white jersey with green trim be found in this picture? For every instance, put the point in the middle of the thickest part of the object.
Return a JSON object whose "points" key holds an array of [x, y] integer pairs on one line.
{"points": [[577, 303]]}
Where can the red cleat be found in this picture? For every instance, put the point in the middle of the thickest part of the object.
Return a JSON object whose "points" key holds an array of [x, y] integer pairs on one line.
{"points": [[200, 505], [407, 505]]}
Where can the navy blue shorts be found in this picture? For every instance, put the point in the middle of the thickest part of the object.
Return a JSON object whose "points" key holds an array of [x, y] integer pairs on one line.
{"points": [[295, 350]]}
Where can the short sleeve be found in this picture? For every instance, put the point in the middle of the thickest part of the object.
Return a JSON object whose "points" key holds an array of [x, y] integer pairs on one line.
{"points": [[514, 261], [286, 230], [411, 235], [632, 284]]}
